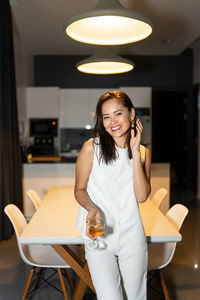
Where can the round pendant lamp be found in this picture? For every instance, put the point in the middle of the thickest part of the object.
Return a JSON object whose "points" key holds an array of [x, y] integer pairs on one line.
{"points": [[105, 61], [109, 23]]}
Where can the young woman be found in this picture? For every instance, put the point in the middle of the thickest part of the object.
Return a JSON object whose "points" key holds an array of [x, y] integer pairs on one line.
{"points": [[112, 176]]}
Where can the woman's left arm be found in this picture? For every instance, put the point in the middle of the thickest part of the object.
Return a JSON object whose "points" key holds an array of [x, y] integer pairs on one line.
{"points": [[141, 173], [141, 178]]}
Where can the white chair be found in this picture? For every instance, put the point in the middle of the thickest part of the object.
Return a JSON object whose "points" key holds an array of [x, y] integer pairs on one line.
{"points": [[36, 255], [34, 198], [159, 196], [161, 254]]}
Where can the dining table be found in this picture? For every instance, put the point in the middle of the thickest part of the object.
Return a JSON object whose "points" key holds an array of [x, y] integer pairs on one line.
{"points": [[54, 223]]}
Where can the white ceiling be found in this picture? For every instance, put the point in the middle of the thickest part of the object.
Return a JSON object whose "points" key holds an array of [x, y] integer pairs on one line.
{"points": [[40, 26]]}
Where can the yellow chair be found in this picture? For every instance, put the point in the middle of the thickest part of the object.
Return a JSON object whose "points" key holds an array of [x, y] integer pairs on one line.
{"points": [[34, 198]]}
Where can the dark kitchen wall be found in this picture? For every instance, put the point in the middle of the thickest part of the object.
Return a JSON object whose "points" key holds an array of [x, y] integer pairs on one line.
{"points": [[155, 71]]}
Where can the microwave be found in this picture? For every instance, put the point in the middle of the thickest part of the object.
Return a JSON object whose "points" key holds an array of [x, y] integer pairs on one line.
{"points": [[43, 127]]}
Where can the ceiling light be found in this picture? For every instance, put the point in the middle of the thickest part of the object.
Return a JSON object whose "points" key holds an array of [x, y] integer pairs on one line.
{"points": [[109, 23], [105, 61]]}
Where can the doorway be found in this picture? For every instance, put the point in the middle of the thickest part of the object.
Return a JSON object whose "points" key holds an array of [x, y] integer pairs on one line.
{"points": [[174, 135]]}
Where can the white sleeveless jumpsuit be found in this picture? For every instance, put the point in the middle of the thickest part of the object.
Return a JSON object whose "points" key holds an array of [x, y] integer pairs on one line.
{"points": [[118, 266]]}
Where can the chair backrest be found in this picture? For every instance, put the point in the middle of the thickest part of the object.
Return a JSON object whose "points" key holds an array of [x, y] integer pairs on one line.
{"points": [[19, 224], [34, 198], [16, 217], [176, 215], [159, 196], [162, 254]]}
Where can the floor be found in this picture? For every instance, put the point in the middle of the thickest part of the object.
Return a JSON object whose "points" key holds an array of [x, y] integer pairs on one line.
{"points": [[182, 275]]}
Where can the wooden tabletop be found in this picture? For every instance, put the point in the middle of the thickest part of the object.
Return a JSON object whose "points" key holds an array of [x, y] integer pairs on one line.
{"points": [[55, 221]]}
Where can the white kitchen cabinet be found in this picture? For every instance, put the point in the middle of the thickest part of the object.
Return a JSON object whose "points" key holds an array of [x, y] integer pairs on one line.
{"points": [[74, 108], [140, 96], [42, 102]]}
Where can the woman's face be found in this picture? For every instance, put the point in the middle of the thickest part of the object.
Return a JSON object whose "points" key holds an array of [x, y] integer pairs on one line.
{"points": [[116, 118]]}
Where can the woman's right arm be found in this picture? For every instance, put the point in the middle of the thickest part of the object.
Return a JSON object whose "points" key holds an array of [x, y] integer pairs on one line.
{"points": [[83, 169]]}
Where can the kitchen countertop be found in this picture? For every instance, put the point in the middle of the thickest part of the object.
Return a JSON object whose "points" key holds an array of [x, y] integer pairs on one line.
{"points": [[52, 159]]}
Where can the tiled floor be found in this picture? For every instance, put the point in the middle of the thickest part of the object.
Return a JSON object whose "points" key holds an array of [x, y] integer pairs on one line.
{"points": [[182, 275]]}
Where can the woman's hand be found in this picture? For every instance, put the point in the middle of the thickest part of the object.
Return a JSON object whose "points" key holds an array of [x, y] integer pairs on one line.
{"points": [[93, 214], [136, 139]]}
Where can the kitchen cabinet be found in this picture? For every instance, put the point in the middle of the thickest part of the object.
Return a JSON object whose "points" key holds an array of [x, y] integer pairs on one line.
{"points": [[42, 102], [140, 96], [73, 108]]}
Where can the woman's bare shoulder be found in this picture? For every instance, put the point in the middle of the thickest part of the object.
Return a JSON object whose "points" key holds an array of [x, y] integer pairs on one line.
{"points": [[84, 164], [87, 150], [88, 147]]}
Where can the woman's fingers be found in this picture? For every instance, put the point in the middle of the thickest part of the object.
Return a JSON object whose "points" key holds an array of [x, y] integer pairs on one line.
{"points": [[136, 138], [139, 125], [87, 226], [133, 134]]}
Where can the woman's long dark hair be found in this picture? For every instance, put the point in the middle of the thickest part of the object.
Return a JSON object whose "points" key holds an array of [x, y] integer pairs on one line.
{"points": [[108, 151]]}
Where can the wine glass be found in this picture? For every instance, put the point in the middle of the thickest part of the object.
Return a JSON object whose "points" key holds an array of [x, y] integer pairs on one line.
{"points": [[96, 229]]}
